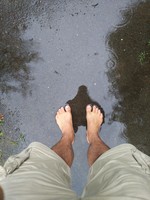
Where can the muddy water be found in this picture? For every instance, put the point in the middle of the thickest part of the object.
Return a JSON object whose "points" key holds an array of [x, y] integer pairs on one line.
{"points": [[53, 52], [130, 75]]}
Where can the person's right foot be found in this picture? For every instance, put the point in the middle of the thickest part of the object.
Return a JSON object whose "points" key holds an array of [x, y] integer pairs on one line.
{"points": [[94, 120], [64, 121]]}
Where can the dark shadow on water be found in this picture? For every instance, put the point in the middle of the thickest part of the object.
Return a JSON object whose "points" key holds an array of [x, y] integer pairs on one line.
{"points": [[15, 53], [78, 106], [129, 75], [16, 57]]}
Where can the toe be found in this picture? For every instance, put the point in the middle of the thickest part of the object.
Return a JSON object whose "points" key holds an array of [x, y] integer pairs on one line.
{"points": [[61, 110], [68, 108], [99, 112], [88, 108], [94, 108]]}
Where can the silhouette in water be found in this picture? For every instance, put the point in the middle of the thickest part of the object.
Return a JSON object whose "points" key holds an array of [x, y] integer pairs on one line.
{"points": [[130, 76], [78, 105]]}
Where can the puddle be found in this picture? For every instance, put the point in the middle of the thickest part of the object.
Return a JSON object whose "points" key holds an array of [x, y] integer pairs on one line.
{"points": [[129, 74], [57, 51]]}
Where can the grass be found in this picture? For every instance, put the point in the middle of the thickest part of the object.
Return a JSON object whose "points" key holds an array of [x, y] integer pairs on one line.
{"points": [[143, 56], [1, 124], [7, 139], [1, 134]]}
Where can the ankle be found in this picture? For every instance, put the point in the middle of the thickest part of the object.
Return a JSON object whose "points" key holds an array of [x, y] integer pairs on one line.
{"points": [[94, 139], [67, 140]]}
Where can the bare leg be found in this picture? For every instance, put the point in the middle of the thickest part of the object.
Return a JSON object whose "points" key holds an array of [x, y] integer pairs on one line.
{"points": [[1, 194], [64, 147], [96, 146]]}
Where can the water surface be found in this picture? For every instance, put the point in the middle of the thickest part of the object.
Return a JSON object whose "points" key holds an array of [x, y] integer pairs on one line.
{"points": [[50, 49]]}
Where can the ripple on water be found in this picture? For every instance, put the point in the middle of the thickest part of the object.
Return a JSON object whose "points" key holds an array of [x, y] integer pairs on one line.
{"points": [[129, 73]]}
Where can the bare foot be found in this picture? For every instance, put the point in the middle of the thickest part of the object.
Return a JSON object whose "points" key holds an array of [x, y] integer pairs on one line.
{"points": [[64, 121], [94, 120]]}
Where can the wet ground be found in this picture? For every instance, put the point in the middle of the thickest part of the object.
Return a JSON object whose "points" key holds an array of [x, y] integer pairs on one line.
{"points": [[80, 52]]}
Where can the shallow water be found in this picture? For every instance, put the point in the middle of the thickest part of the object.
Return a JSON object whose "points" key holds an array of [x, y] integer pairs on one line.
{"points": [[51, 48]]}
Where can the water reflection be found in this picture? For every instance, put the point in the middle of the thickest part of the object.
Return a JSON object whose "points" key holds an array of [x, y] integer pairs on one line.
{"points": [[16, 53], [129, 74], [15, 56], [78, 105]]}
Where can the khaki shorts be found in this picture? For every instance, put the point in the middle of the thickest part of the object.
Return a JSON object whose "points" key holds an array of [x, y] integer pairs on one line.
{"points": [[121, 173], [38, 173]]}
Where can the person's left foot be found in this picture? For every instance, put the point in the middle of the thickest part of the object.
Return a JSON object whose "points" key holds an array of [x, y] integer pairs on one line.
{"points": [[64, 121]]}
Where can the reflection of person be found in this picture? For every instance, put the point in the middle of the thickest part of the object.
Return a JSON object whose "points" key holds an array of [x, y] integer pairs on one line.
{"points": [[38, 172]]}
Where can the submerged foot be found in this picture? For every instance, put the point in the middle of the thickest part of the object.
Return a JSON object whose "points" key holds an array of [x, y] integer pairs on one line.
{"points": [[64, 121], [94, 120]]}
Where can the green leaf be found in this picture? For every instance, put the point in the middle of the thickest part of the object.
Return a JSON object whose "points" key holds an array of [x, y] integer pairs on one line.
{"points": [[1, 134]]}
